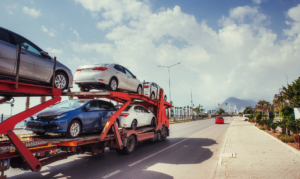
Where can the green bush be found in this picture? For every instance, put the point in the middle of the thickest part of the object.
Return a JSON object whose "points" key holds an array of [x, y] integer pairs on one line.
{"points": [[262, 128], [273, 126], [285, 138]]}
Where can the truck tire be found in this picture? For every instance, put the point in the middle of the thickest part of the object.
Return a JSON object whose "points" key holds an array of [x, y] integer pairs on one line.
{"points": [[130, 145], [164, 134], [153, 122]]}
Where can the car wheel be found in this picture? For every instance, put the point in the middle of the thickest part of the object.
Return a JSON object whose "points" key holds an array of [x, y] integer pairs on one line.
{"points": [[74, 129], [139, 90], [165, 98], [134, 124], [84, 89], [61, 80], [113, 84], [130, 145], [153, 122], [152, 95]]}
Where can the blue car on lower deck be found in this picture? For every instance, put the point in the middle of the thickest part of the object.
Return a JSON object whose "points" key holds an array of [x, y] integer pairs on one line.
{"points": [[72, 117]]}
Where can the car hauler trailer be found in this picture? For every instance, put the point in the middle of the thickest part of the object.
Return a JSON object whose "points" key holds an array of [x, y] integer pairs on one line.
{"points": [[38, 151]]}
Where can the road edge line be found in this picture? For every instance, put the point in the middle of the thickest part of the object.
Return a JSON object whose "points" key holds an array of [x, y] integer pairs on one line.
{"points": [[220, 171]]}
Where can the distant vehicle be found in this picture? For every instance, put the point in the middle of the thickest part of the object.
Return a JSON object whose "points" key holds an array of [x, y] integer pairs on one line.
{"points": [[219, 120], [230, 115], [136, 116], [107, 75], [72, 117], [151, 90], [246, 117], [35, 64]]}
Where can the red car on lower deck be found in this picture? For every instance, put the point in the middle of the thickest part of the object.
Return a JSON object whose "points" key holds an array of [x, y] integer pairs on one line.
{"points": [[219, 120]]}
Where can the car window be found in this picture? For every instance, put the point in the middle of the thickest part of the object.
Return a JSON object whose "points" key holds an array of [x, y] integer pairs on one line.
{"points": [[137, 109], [106, 106], [4, 36], [93, 105], [143, 109], [129, 73], [25, 44], [119, 68]]}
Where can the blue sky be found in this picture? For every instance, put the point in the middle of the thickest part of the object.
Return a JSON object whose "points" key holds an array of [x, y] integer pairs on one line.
{"points": [[228, 48]]}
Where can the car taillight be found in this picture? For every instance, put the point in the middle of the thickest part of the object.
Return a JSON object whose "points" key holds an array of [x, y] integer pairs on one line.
{"points": [[100, 68], [78, 70], [124, 114], [146, 86]]}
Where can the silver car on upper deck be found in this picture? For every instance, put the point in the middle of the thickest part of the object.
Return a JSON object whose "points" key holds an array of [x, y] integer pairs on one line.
{"points": [[35, 64], [107, 75]]}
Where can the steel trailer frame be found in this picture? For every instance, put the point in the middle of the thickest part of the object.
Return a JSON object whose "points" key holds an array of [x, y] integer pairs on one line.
{"points": [[73, 146]]}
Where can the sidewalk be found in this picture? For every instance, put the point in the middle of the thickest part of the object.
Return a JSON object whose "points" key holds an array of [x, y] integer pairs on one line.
{"points": [[251, 153]]}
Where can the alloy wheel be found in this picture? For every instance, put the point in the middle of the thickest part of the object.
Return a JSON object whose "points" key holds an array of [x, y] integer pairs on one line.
{"points": [[60, 81], [74, 129], [113, 85]]}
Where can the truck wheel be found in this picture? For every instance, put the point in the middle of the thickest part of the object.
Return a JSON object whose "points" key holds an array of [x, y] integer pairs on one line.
{"points": [[134, 124], [163, 134], [74, 129], [153, 122], [130, 145]]}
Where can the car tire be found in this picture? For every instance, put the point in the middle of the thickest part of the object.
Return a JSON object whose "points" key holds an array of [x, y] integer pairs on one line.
{"points": [[153, 122], [139, 90], [61, 80], [74, 129], [130, 145], [84, 89], [134, 124], [152, 96], [113, 84]]}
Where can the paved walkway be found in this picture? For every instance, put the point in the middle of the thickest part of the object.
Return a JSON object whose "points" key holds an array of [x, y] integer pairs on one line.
{"points": [[249, 153]]}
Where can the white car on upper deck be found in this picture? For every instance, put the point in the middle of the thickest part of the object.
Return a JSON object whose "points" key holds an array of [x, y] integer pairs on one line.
{"points": [[111, 76], [151, 90]]}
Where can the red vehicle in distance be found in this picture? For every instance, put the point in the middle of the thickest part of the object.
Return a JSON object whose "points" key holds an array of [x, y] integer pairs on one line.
{"points": [[219, 120]]}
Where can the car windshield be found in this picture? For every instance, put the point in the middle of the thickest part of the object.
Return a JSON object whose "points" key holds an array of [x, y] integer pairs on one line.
{"points": [[247, 115], [70, 104]]}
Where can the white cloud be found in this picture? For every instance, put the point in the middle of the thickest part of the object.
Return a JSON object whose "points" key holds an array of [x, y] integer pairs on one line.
{"points": [[12, 8], [75, 32], [257, 1], [49, 32], [294, 15], [242, 59], [53, 51], [31, 12]]}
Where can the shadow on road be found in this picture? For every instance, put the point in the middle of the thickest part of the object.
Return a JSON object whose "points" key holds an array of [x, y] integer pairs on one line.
{"points": [[172, 151]]}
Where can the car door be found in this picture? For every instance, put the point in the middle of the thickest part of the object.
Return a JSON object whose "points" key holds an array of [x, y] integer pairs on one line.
{"points": [[107, 110], [7, 54], [147, 116], [139, 116], [122, 77], [154, 89], [92, 117], [132, 81], [32, 64]]}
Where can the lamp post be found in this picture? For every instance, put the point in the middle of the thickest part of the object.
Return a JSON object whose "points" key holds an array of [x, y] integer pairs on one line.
{"points": [[169, 76]]}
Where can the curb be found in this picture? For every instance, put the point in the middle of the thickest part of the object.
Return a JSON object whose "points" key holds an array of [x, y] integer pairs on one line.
{"points": [[220, 171], [282, 143]]}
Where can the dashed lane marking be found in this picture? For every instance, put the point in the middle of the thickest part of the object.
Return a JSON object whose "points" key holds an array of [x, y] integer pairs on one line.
{"points": [[111, 174], [168, 147]]}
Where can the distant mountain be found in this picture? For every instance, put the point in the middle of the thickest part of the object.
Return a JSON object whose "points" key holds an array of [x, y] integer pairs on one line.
{"points": [[235, 104]]}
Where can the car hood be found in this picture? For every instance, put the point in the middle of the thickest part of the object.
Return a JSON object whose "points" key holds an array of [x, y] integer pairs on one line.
{"points": [[53, 112]]}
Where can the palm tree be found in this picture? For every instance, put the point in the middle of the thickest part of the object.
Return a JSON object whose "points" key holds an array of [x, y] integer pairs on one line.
{"points": [[188, 111], [180, 111]]}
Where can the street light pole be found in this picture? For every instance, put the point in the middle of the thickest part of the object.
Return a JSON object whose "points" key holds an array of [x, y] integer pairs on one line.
{"points": [[169, 76]]}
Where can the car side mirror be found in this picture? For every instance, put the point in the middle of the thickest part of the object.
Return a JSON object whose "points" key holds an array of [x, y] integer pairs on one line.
{"points": [[134, 76], [45, 54]]}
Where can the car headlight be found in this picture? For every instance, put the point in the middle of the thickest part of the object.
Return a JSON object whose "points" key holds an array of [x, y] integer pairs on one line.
{"points": [[60, 116]]}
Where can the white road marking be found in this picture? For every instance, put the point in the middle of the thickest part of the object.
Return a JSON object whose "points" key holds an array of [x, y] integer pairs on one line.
{"points": [[111, 174], [167, 148]]}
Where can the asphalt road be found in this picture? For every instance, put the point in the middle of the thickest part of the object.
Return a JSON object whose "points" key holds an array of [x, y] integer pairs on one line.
{"points": [[191, 151]]}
